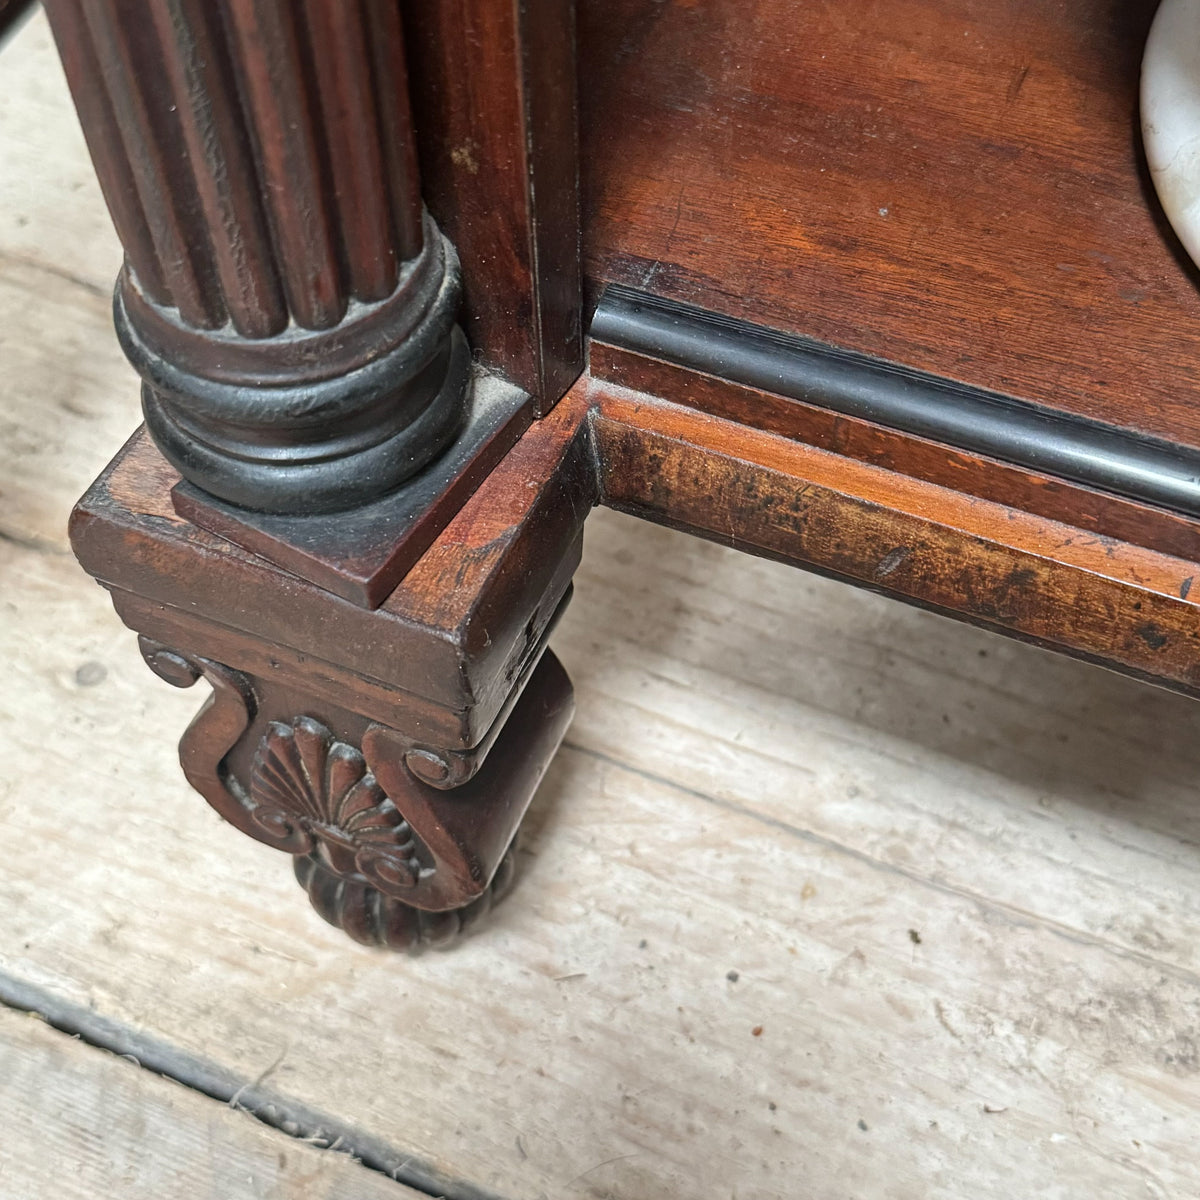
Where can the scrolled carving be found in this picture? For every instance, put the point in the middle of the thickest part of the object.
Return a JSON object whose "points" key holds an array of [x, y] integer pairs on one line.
{"points": [[307, 787], [212, 737], [167, 664], [383, 854], [441, 769]]}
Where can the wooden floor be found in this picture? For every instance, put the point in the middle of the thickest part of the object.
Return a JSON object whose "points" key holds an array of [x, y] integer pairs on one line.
{"points": [[825, 898]]}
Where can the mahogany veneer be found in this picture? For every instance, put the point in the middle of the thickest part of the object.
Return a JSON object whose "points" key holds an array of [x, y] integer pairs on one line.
{"points": [[956, 185]]}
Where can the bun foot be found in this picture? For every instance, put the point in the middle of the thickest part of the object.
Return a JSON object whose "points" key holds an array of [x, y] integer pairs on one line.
{"points": [[371, 918]]}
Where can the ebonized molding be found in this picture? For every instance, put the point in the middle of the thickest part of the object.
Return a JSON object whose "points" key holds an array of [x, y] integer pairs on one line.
{"points": [[990, 423], [12, 13]]}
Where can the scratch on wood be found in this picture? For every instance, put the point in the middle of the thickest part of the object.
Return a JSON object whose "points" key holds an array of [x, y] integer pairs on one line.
{"points": [[1016, 84]]}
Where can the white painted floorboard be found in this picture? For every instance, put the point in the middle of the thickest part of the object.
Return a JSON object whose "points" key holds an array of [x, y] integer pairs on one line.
{"points": [[825, 897]]}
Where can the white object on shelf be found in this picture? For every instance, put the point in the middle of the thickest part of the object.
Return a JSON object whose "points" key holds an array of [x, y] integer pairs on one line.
{"points": [[1171, 115]]}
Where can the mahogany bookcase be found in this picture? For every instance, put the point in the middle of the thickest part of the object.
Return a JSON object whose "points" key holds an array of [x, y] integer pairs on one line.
{"points": [[877, 289]]}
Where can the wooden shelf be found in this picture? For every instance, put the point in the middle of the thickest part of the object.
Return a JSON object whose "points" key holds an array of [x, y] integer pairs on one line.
{"points": [[955, 185]]}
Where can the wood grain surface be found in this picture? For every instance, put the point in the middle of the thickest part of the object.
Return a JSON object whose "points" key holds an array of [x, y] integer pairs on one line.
{"points": [[82, 1123], [1118, 605], [495, 98], [826, 894], [771, 775], [971, 474], [956, 185]]}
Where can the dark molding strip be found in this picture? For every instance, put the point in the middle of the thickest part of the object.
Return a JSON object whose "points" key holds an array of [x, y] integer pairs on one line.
{"points": [[989, 423], [13, 14]]}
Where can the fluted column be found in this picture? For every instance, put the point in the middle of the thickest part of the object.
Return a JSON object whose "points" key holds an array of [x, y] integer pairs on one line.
{"points": [[289, 305]]}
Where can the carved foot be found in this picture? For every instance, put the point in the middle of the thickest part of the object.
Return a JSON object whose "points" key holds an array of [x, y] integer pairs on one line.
{"points": [[397, 844], [373, 918], [393, 751]]}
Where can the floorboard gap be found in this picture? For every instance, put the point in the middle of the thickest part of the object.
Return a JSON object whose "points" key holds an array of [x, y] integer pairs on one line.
{"points": [[288, 1116]]}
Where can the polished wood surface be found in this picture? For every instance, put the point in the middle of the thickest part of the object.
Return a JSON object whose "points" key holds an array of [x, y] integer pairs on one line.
{"points": [[335, 728], [990, 564], [363, 553], [1034, 492], [497, 128], [258, 160], [311, 401], [454, 636], [290, 307], [956, 185], [393, 752]]}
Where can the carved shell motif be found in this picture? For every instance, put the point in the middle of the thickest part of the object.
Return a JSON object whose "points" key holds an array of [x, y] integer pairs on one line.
{"points": [[308, 787]]}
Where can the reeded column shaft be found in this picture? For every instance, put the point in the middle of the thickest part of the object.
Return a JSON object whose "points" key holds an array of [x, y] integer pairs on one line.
{"points": [[288, 304]]}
